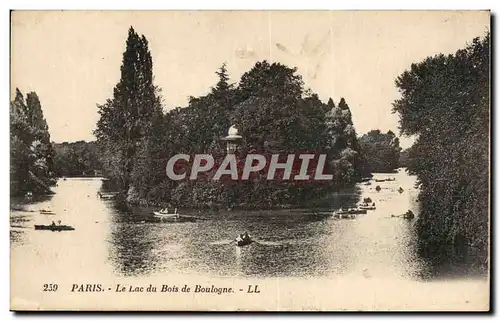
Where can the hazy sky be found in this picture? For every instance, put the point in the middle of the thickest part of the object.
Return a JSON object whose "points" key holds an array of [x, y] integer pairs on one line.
{"points": [[72, 59]]}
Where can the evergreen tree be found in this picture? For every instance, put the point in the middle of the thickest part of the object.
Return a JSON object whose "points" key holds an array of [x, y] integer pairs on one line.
{"points": [[223, 85], [382, 150], [128, 117]]}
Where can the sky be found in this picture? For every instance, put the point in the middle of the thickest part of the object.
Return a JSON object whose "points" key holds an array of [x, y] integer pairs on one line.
{"points": [[72, 58]]}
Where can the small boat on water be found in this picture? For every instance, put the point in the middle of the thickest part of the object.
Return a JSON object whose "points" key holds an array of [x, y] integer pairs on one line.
{"points": [[107, 196], [351, 211], [47, 212], [243, 239], [54, 227], [407, 216], [367, 207], [344, 216], [380, 180], [165, 214]]}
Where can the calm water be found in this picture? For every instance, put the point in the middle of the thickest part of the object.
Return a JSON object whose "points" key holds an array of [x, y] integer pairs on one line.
{"points": [[133, 244]]}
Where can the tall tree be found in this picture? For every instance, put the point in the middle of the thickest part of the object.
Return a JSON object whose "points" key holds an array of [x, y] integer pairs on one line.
{"points": [[222, 87], [128, 117], [445, 102], [381, 150], [31, 151]]}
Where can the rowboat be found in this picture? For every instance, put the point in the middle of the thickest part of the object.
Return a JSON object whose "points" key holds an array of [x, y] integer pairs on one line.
{"points": [[107, 196], [54, 227], [344, 216], [407, 216], [244, 242]]}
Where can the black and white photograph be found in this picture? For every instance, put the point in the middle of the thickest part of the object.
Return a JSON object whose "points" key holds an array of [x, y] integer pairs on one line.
{"points": [[250, 160]]}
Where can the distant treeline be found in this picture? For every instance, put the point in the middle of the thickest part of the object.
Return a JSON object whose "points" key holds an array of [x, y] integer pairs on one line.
{"points": [[404, 158], [77, 159], [31, 153], [271, 109], [445, 103], [381, 151], [35, 162]]}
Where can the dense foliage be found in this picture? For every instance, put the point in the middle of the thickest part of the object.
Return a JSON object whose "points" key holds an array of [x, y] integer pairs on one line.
{"points": [[269, 106], [77, 159], [31, 162], [382, 150], [446, 103]]}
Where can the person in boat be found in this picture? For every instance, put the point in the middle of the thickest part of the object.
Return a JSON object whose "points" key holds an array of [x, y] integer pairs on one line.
{"points": [[59, 222], [53, 223]]}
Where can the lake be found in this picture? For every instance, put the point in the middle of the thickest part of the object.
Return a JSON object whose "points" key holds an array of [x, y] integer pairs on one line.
{"points": [[363, 263]]}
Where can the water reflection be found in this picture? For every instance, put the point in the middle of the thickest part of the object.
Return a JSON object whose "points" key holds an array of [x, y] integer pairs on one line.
{"points": [[290, 243]]}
